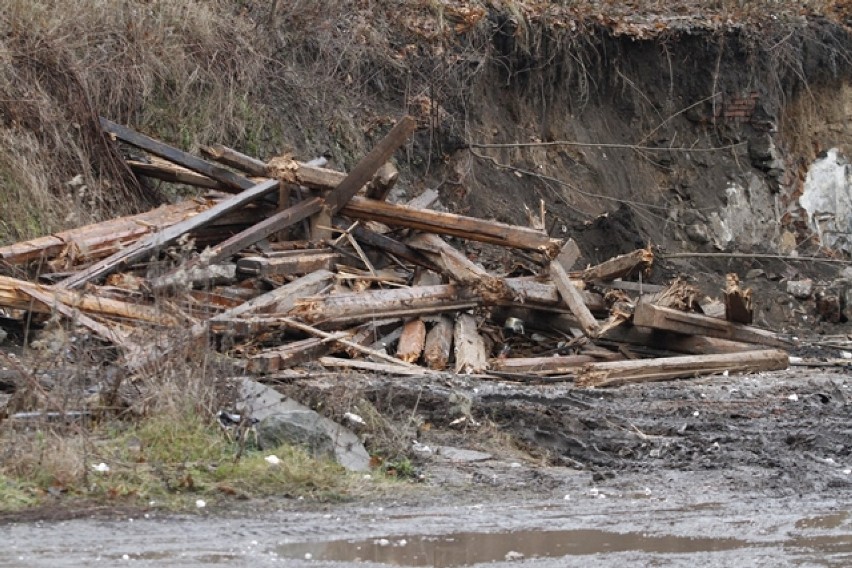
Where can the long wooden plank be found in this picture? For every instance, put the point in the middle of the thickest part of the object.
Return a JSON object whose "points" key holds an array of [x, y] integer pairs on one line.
{"points": [[387, 244], [293, 262], [218, 173], [620, 266], [644, 370], [451, 224], [368, 165], [92, 240], [167, 236], [657, 317], [102, 330], [668, 341], [570, 294], [541, 365], [15, 294], [237, 160]]}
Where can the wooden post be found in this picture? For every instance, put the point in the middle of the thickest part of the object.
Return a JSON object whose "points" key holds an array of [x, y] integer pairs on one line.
{"points": [[412, 341], [470, 348], [439, 341]]}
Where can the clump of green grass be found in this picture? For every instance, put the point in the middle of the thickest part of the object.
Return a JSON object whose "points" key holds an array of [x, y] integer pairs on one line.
{"points": [[166, 459]]}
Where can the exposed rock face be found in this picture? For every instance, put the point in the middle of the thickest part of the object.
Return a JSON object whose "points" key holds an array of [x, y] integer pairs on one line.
{"points": [[283, 420], [827, 198]]}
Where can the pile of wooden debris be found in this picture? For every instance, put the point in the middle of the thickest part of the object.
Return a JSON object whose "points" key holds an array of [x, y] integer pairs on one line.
{"points": [[304, 266]]}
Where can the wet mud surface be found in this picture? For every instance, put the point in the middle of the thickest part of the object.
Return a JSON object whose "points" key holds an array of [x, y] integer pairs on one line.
{"points": [[722, 471]]}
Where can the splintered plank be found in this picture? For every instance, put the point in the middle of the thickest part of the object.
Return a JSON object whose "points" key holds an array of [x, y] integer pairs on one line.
{"points": [[386, 244], [620, 266], [646, 370], [439, 342], [289, 262], [218, 173], [18, 294], [469, 346], [368, 165], [451, 224], [412, 341], [451, 261], [667, 341], [383, 182], [168, 235], [237, 160], [541, 365], [101, 239], [570, 294], [738, 304], [649, 315]]}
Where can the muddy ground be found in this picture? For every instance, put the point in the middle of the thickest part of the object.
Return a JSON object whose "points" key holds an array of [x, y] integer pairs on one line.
{"points": [[748, 470]]}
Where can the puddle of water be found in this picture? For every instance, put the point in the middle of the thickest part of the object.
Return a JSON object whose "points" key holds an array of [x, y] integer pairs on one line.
{"points": [[461, 549], [823, 522]]}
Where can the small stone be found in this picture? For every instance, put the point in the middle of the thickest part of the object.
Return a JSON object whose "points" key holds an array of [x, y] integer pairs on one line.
{"points": [[801, 289]]}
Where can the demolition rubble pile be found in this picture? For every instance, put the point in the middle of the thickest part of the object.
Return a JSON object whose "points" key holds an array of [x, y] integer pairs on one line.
{"points": [[302, 267]]}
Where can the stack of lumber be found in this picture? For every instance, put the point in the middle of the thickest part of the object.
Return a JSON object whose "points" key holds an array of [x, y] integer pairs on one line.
{"points": [[303, 266]]}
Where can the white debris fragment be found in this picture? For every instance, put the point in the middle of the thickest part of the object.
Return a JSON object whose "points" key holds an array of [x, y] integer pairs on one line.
{"points": [[125, 557], [200, 503], [793, 397], [567, 498], [846, 354], [100, 467], [696, 413], [725, 373], [272, 459], [354, 418], [381, 542], [513, 555], [421, 448], [308, 556], [847, 472], [514, 465]]}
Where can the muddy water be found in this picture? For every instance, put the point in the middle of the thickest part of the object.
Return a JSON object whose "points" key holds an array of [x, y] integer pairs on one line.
{"points": [[683, 521]]}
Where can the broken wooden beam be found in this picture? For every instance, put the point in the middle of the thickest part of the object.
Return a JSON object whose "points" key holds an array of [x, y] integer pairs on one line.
{"points": [[236, 160], [469, 347], [411, 341], [569, 293], [665, 341], [154, 242], [738, 302], [620, 266], [383, 182], [164, 170], [387, 244], [649, 315], [451, 224], [439, 342], [95, 241], [157, 148], [289, 262], [645, 370], [368, 165], [18, 294], [554, 365]]}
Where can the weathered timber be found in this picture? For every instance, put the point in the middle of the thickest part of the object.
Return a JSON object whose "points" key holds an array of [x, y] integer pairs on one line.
{"points": [[218, 173], [646, 370], [369, 164], [452, 262], [738, 303], [620, 266], [439, 342], [668, 341], [16, 294], [526, 290], [290, 262], [97, 240], [569, 255], [541, 365], [570, 294], [400, 302], [321, 225], [289, 322], [649, 315], [383, 182], [425, 200], [289, 355], [469, 346], [162, 238], [412, 341], [629, 286], [243, 239], [469, 228], [388, 245], [76, 316], [374, 367], [164, 170], [235, 159]]}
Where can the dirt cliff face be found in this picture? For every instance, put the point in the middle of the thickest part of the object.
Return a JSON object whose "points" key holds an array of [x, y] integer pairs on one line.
{"points": [[694, 140]]}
